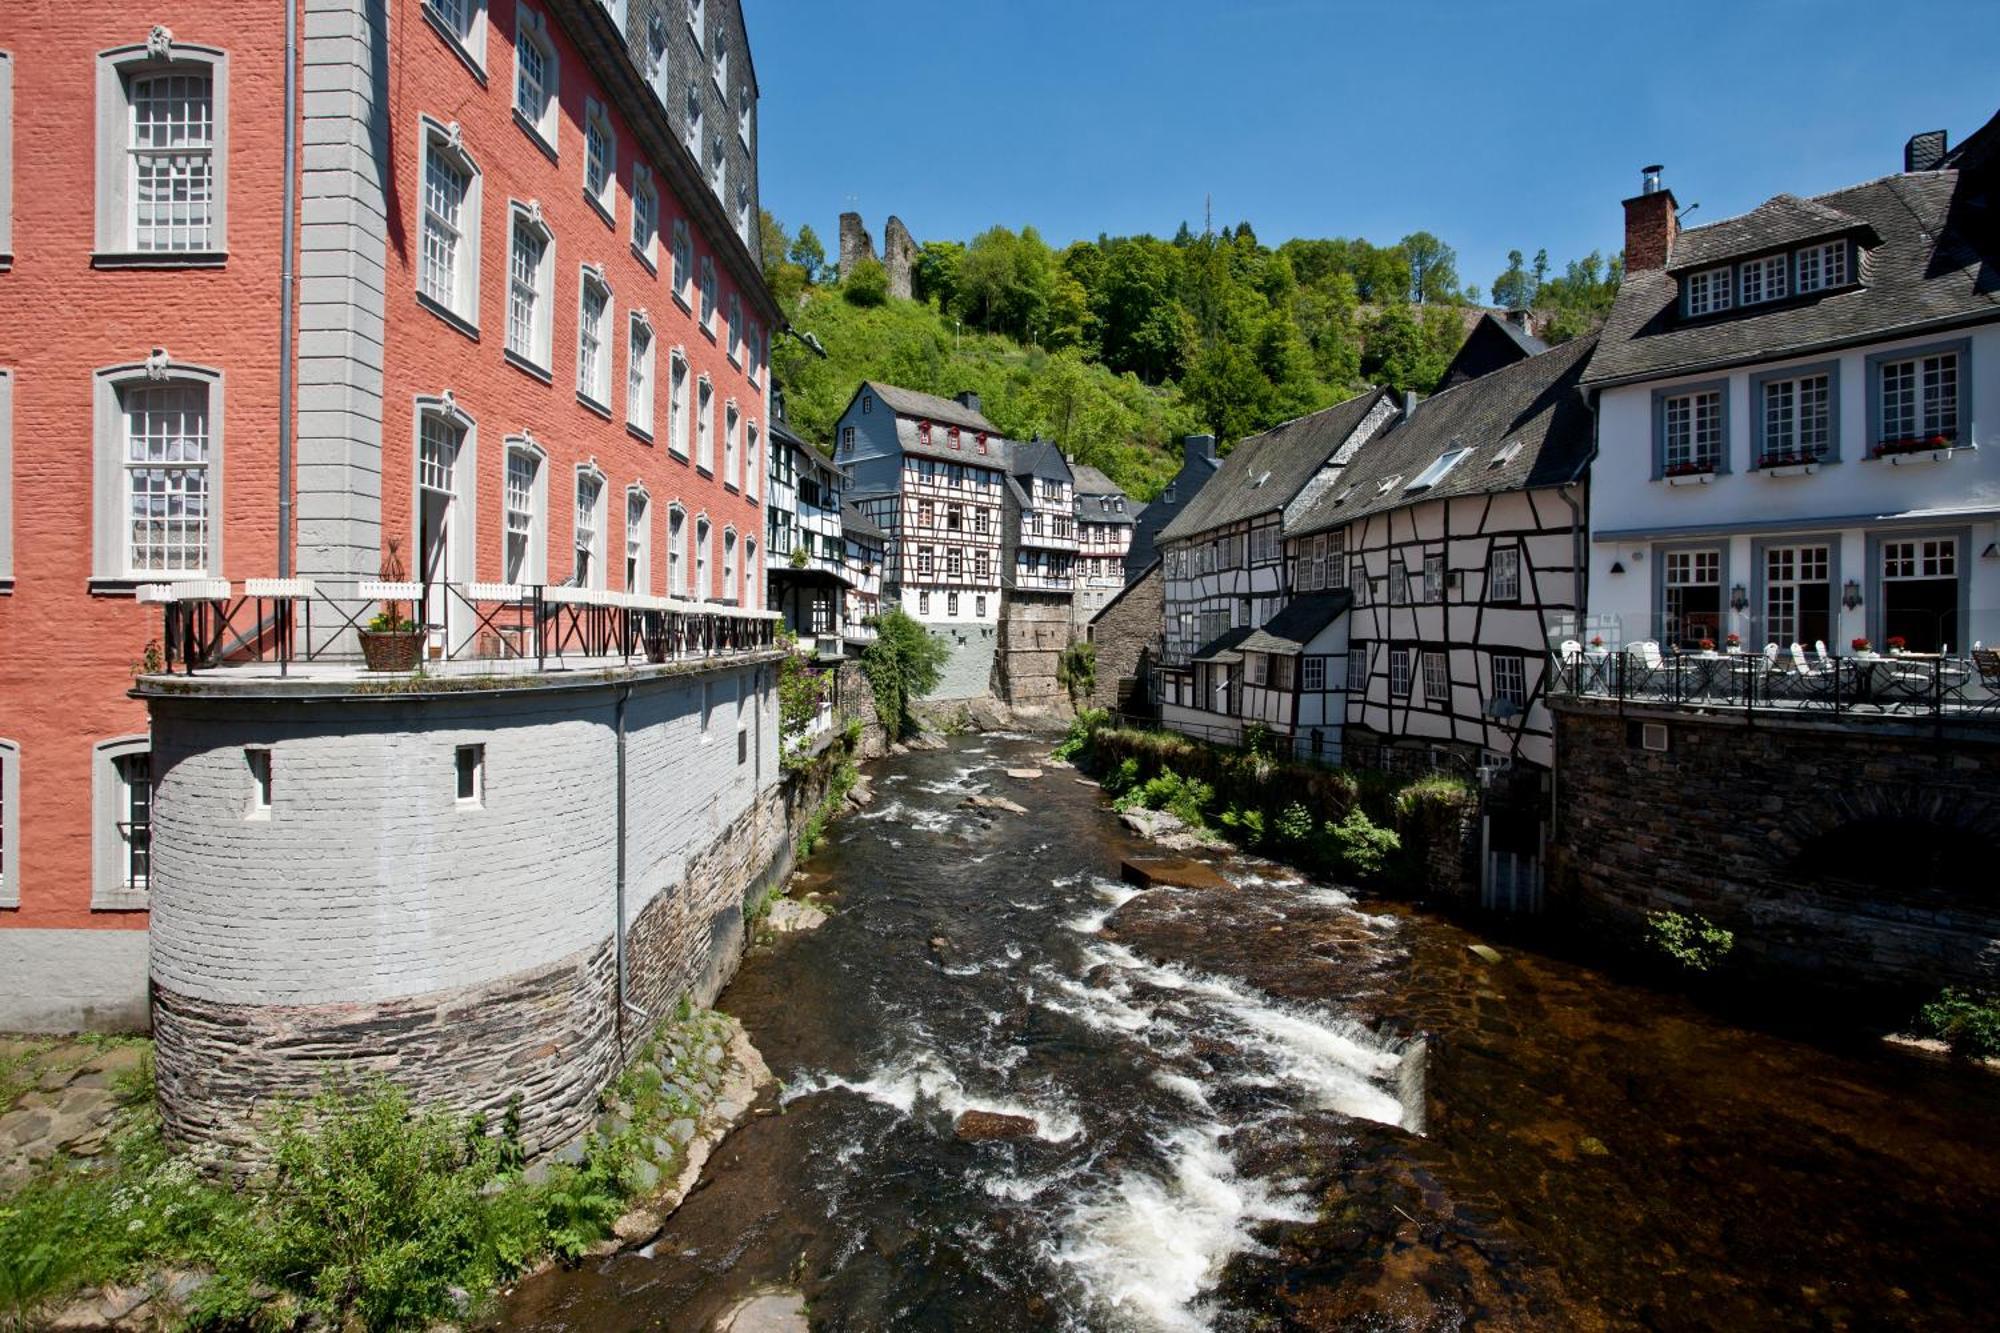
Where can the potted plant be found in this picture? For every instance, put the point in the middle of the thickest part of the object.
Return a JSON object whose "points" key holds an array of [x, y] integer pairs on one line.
{"points": [[1897, 644], [1597, 640], [1733, 641], [392, 641], [1862, 646], [1708, 645]]}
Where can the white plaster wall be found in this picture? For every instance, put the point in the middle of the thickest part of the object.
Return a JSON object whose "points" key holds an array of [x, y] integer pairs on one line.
{"points": [[368, 880], [66, 980], [1845, 495]]}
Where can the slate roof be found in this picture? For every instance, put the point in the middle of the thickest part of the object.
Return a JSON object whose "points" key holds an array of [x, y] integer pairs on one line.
{"points": [[1781, 220], [1299, 623], [1092, 488], [1223, 647], [1037, 458], [1090, 481], [1937, 264], [1523, 339], [1263, 472], [930, 407], [1534, 402], [854, 521], [910, 440]]}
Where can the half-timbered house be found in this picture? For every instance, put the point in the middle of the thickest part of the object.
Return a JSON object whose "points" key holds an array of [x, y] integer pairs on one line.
{"points": [[1223, 555], [1456, 533]]}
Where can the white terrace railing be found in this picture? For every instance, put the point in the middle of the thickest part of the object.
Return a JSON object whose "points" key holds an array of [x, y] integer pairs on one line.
{"points": [[210, 623]]}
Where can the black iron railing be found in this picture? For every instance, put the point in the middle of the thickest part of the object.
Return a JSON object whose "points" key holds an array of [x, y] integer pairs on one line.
{"points": [[208, 624], [1912, 685]]}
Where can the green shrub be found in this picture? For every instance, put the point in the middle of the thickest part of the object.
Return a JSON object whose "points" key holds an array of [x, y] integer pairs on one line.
{"points": [[1259, 740], [1185, 798], [1356, 847], [1293, 828], [1968, 1022], [1246, 827], [1690, 941], [1076, 669], [1123, 778], [1082, 728], [867, 285], [904, 663]]}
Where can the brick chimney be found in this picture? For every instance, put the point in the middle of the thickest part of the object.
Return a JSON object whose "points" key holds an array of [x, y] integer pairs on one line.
{"points": [[1650, 226], [1198, 448]]}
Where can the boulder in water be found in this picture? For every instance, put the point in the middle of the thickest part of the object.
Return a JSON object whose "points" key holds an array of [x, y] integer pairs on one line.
{"points": [[1024, 773], [994, 803], [1152, 872], [980, 1126]]}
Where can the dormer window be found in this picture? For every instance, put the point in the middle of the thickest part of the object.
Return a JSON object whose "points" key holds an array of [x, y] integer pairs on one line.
{"points": [[924, 433], [1823, 266], [952, 436], [1763, 279], [1706, 292]]}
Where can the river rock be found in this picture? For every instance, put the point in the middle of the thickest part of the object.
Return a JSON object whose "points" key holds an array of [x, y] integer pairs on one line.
{"points": [[980, 1126], [1024, 773], [1151, 823], [766, 1312], [789, 914], [994, 803], [1152, 872]]}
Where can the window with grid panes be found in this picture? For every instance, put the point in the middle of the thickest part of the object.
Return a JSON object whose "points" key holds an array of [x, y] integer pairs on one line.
{"points": [[676, 555], [1706, 292], [1399, 672], [589, 494], [1797, 420], [704, 425], [172, 149], [1437, 681], [1693, 584], [593, 353], [1764, 279], [445, 248], [1504, 574], [1312, 673], [1692, 431], [1822, 266], [1798, 596], [1510, 679], [639, 376], [1357, 667], [528, 268], [167, 476], [522, 466], [645, 212], [1919, 398], [638, 511], [135, 827], [600, 157], [535, 73]]}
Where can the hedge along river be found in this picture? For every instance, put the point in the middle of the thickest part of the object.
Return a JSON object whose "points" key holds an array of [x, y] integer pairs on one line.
{"points": [[1238, 1126]]}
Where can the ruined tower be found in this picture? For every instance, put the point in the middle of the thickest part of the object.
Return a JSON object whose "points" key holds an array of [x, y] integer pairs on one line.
{"points": [[855, 244], [899, 256]]}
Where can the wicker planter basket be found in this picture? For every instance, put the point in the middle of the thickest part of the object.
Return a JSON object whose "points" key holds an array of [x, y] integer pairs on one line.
{"points": [[391, 650]]}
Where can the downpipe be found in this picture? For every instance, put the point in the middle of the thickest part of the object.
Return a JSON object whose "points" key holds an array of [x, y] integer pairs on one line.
{"points": [[625, 1004], [287, 284]]}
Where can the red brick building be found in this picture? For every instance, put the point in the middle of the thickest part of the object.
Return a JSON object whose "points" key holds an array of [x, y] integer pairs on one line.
{"points": [[527, 345]]}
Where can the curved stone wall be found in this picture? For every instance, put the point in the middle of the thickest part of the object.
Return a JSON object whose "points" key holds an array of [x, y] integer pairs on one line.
{"points": [[372, 920]]}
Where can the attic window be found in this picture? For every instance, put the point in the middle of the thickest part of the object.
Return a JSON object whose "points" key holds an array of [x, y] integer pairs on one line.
{"points": [[1435, 473], [1506, 454], [1388, 484], [952, 435], [1706, 292], [1764, 279], [924, 432], [1262, 477], [981, 440], [1823, 266]]}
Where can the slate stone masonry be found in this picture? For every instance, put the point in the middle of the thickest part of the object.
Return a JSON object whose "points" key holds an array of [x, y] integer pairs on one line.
{"points": [[1731, 819]]}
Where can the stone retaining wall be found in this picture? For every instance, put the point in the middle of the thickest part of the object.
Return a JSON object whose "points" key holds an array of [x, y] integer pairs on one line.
{"points": [[1747, 824]]}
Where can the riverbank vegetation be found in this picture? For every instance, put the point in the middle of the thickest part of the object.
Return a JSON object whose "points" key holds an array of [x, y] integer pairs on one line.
{"points": [[1966, 1021], [372, 1213], [1119, 345], [903, 664], [1360, 826]]}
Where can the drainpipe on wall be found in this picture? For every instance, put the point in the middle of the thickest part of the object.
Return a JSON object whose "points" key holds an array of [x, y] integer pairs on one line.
{"points": [[624, 697], [285, 290]]}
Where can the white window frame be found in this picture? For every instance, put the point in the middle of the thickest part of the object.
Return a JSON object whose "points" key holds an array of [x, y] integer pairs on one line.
{"points": [[755, 370], [735, 317], [710, 291], [677, 554], [638, 563], [659, 56], [1357, 668], [1765, 279], [1925, 405], [116, 204], [704, 423], [752, 443], [641, 350], [459, 306], [533, 567], [681, 280], [10, 823], [593, 373], [6, 482], [1312, 673], [1436, 472], [531, 28], [732, 590], [680, 379], [1399, 673], [1503, 573], [6, 161], [1707, 292], [732, 453], [111, 887], [1437, 681], [1822, 267], [462, 486], [719, 64], [645, 216], [697, 19], [111, 507], [1686, 417], [704, 532], [594, 574], [600, 148], [692, 118], [743, 105], [1510, 679], [539, 357], [463, 26], [753, 583]]}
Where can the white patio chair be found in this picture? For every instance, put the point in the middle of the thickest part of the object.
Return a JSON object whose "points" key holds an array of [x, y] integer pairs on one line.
{"points": [[1649, 653], [1825, 658]]}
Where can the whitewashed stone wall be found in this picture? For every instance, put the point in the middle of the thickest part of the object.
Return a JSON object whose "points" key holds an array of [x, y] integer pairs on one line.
{"points": [[371, 920]]}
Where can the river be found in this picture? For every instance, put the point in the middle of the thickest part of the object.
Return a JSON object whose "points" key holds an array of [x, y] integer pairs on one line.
{"points": [[1275, 1107]]}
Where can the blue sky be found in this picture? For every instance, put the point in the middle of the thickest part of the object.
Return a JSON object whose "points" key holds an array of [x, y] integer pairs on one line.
{"points": [[1496, 126]]}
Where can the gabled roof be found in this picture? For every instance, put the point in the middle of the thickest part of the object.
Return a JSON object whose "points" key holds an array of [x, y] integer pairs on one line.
{"points": [[1781, 220], [1223, 648], [911, 440], [929, 407], [854, 521], [1299, 623], [1037, 458], [1090, 481], [1533, 404], [1495, 341], [1937, 265], [1263, 472]]}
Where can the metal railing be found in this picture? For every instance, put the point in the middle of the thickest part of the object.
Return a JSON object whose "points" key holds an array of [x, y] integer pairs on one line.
{"points": [[211, 623], [1857, 684]]}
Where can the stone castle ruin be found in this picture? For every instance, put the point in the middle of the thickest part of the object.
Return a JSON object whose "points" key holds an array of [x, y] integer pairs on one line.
{"points": [[899, 251]]}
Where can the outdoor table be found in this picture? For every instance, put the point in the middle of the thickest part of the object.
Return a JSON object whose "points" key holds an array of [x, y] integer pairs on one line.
{"points": [[1596, 667], [1879, 679], [1706, 673]]}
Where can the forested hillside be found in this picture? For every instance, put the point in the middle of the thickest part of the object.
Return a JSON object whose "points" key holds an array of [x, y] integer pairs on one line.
{"points": [[1118, 346]]}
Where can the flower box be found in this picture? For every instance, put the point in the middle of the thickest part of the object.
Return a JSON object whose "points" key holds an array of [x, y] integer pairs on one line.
{"points": [[1690, 478], [1920, 449], [1788, 469]]}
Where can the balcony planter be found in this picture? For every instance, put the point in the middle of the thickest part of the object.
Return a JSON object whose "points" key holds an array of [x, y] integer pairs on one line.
{"points": [[1691, 478], [391, 649], [1788, 466], [1925, 449]]}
